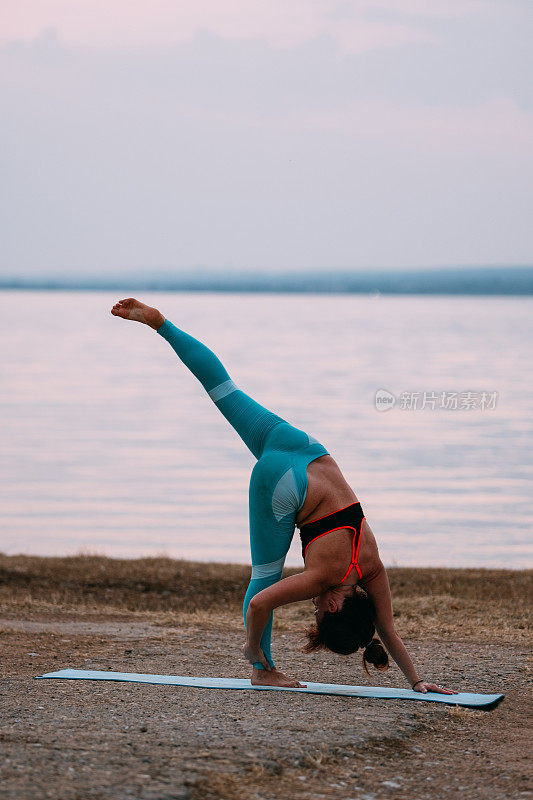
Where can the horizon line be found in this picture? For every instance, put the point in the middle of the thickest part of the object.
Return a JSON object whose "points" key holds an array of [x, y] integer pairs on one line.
{"points": [[485, 280]]}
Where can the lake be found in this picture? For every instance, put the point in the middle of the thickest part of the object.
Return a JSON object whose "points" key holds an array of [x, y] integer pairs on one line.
{"points": [[109, 444]]}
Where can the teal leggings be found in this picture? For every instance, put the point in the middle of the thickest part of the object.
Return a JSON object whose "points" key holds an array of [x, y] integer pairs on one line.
{"points": [[278, 483]]}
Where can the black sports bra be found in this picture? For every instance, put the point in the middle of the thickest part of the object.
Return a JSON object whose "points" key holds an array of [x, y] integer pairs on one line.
{"points": [[349, 517]]}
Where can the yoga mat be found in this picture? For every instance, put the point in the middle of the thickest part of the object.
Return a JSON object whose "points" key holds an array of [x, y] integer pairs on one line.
{"points": [[462, 699]]}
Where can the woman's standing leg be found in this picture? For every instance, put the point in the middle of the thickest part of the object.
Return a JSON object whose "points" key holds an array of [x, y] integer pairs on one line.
{"points": [[270, 538]]}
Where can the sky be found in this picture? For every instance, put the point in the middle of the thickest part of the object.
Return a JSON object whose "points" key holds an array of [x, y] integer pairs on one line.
{"points": [[272, 135]]}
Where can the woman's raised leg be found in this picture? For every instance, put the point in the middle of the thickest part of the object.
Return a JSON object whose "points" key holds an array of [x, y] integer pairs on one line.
{"points": [[251, 420]]}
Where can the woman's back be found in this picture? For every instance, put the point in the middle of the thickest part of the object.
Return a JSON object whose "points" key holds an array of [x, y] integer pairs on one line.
{"points": [[327, 492]]}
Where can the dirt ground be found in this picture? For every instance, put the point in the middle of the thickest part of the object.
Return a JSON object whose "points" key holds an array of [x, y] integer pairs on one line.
{"points": [[81, 739]]}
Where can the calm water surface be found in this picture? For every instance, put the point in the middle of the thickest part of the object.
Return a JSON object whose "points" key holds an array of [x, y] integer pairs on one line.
{"points": [[109, 445]]}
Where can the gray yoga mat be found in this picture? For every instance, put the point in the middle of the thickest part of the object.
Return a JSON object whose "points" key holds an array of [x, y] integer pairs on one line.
{"points": [[462, 699]]}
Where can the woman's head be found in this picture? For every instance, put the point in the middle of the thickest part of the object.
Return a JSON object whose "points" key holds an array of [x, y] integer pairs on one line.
{"points": [[344, 624]]}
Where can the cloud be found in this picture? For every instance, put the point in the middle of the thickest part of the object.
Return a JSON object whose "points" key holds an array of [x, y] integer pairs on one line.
{"points": [[281, 23], [243, 86]]}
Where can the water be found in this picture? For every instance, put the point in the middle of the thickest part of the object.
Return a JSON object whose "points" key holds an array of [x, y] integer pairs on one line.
{"points": [[109, 445]]}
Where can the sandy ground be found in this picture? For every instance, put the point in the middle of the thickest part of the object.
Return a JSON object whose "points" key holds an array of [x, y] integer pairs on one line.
{"points": [[70, 739]]}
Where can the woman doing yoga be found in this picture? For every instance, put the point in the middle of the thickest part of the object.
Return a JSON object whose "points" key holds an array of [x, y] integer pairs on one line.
{"points": [[295, 482]]}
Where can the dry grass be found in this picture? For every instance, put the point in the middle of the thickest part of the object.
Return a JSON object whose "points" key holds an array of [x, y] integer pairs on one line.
{"points": [[492, 604], [138, 585], [460, 713]]}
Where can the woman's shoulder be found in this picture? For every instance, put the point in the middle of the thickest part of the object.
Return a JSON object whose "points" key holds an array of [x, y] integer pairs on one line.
{"points": [[374, 571]]}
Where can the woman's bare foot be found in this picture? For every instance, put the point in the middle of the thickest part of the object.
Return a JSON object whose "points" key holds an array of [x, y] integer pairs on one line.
{"points": [[134, 309], [263, 677]]}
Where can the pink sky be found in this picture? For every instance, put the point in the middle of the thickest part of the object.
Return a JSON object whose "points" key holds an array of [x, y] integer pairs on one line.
{"points": [[274, 134]]}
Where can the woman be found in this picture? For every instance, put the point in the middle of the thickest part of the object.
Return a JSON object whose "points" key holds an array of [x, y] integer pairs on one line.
{"points": [[295, 482]]}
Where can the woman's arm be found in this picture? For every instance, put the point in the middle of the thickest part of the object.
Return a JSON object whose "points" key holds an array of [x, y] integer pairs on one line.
{"points": [[378, 589], [302, 586]]}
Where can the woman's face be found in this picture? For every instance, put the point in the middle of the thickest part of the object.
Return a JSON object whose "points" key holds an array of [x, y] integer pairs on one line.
{"points": [[331, 600]]}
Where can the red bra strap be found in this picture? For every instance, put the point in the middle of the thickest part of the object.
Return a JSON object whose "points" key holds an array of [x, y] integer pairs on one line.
{"points": [[355, 553]]}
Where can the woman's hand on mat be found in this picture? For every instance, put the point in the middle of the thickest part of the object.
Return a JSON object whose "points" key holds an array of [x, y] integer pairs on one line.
{"points": [[255, 655], [426, 686]]}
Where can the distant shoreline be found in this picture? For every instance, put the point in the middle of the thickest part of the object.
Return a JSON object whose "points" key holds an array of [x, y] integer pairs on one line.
{"points": [[491, 281]]}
